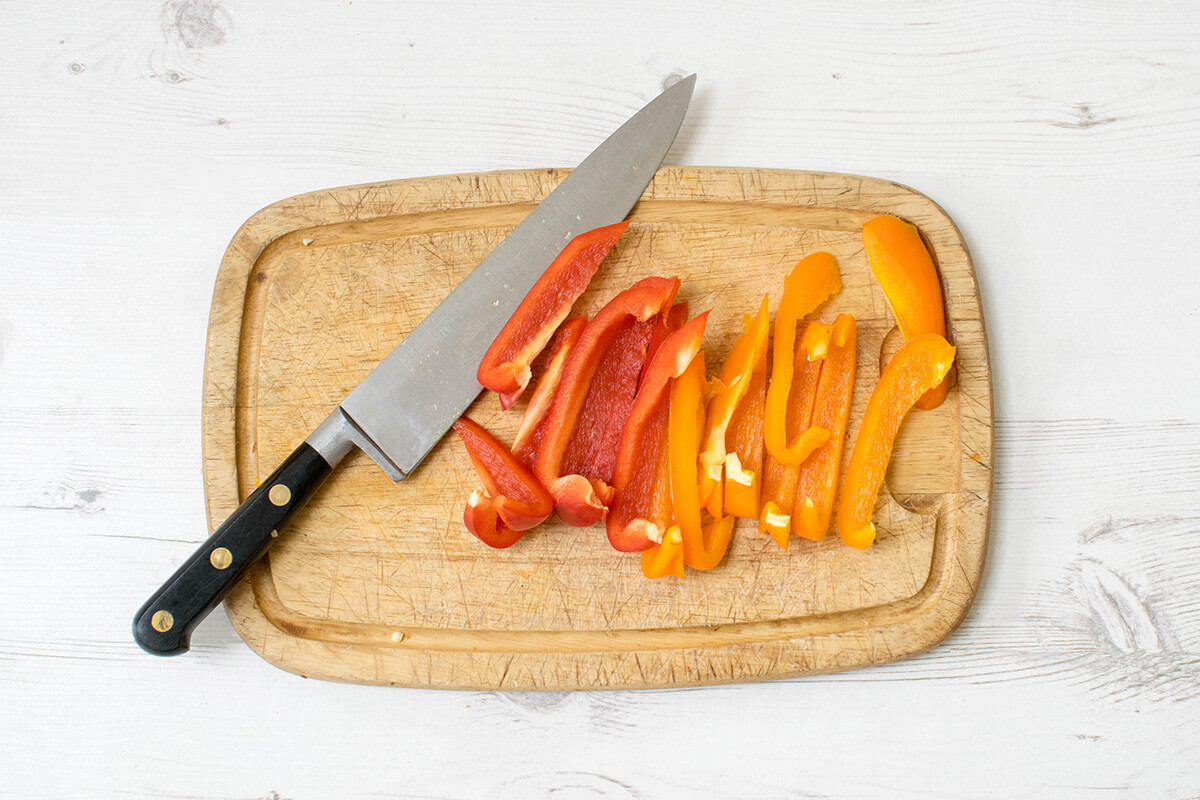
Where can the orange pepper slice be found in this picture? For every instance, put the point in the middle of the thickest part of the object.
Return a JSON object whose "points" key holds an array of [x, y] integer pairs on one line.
{"points": [[776, 521], [904, 269], [916, 368], [780, 480], [743, 464], [714, 544], [735, 379], [809, 284], [816, 485], [666, 558], [686, 417], [703, 546]]}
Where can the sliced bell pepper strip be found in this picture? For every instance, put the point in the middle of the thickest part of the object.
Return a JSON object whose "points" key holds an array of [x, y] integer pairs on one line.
{"points": [[775, 520], [533, 423], [511, 501], [815, 341], [904, 269], [506, 367], [668, 322], [818, 475], [666, 558], [703, 547], [809, 284], [677, 316], [917, 367], [641, 480], [582, 500], [743, 464], [592, 450], [715, 544], [739, 488], [734, 380], [684, 426], [779, 480]]}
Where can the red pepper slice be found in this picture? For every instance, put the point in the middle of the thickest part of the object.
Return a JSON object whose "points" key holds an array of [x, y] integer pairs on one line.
{"points": [[642, 479], [580, 499], [533, 423], [668, 323], [506, 366], [511, 501], [593, 447]]}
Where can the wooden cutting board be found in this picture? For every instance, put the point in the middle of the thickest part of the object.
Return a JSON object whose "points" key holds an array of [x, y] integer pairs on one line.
{"points": [[378, 582]]}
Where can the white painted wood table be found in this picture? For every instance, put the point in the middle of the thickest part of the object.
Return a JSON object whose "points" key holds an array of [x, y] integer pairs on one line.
{"points": [[135, 137]]}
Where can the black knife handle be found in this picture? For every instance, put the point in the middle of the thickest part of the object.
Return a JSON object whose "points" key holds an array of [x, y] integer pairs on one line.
{"points": [[165, 623]]}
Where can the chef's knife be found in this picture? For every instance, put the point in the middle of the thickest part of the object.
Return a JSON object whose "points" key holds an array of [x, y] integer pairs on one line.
{"points": [[408, 402]]}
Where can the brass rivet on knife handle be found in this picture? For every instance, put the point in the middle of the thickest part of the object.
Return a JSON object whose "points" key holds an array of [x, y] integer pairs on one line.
{"points": [[280, 494], [162, 621], [221, 558]]}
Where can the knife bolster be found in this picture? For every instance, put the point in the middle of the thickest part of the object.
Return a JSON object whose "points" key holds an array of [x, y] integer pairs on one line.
{"points": [[334, 438]]}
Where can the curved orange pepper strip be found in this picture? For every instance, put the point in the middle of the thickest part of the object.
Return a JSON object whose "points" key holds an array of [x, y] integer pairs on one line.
{"points": [[703, 547], [816, 483], [779, 480], [735, 377], [666, 558], [715, 543], [810, 283], [904, 269], [916, 368]]}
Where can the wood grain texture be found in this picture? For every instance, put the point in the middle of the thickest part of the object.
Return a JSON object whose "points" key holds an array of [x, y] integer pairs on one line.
{"points": [[316, 289]]}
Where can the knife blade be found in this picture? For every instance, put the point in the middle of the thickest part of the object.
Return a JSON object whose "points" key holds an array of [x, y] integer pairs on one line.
{"points": [[410, 399]]}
